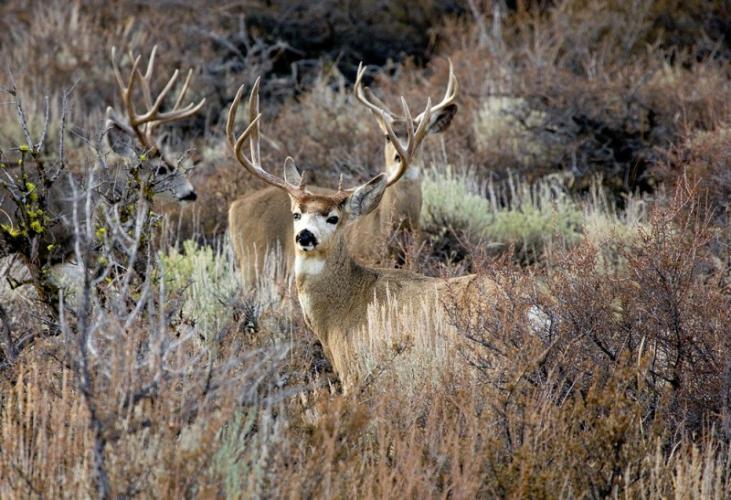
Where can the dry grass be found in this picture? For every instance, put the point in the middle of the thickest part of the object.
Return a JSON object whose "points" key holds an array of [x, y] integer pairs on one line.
{"points": [[193, 384]]}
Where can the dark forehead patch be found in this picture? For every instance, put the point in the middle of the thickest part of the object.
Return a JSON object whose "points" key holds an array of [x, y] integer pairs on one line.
{"points": [[312, 206], [315, 203]]}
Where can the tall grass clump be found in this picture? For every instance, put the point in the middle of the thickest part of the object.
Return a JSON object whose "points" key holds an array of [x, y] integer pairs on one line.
{"points": [[392, 346], [531, 219]]}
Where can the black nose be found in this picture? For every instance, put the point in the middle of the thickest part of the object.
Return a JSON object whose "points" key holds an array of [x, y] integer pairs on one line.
{"points": [[306, 238], [189, 197]]}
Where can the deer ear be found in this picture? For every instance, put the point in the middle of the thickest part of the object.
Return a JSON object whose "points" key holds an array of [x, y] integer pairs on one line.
{"points": [[442, 119], [291, 174], [366, 197], [120, 137]]}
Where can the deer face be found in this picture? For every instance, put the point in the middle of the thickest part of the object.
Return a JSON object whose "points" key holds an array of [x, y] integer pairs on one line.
{"points": [[164, 177], [134, 136], [319, 219], [439, 122], [316, 220], [168, 179]]}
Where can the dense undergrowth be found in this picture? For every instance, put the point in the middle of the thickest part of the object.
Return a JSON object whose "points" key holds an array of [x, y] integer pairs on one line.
{"points": [[586, 171]]}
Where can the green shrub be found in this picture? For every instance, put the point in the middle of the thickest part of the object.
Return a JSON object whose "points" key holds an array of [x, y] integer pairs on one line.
{"points": [[208, 284], [531, 218]]}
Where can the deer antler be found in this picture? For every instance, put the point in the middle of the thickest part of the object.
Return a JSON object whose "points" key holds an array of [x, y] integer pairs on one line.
{"points": [[450, 95], [251, 133], [406, 152], [144, 124], [367, 98]]}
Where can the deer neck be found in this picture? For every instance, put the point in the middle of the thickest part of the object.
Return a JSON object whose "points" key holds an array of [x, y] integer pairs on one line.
{"points": [[402, 202], [333, 289], [412, 174]]}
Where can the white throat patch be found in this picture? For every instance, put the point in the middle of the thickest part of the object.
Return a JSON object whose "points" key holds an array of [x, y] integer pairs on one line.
{"points": [[305, 265]]}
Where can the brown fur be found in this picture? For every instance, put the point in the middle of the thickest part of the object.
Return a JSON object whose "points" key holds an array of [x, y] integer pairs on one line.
{"points": [[335, 301]]}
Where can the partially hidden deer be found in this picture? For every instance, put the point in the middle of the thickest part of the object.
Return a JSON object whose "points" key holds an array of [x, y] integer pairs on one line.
{"points": [[130, 134], [261, 221], [335, 290]]}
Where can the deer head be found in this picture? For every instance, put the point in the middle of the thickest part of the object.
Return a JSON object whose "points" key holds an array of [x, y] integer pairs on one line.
{"points": [[319, 218], [133, 136], [439, 120]]}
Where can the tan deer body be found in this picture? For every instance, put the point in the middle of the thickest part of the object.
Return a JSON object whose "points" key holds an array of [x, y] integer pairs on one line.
{"points": [[261, 221], [335, 291]]}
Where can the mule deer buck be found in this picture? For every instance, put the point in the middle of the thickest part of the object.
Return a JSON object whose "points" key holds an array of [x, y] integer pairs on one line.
{"points": [[260, 222], [47, 240], [334, 289]]}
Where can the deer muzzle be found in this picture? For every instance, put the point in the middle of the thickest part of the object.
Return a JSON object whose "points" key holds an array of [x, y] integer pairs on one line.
{"points": [[189, 196], [306, 240]]}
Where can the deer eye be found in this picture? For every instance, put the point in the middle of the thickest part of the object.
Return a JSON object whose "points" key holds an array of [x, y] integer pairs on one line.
{"points": [[332, 219], [388, 138], [296, 216], [396, 158]]}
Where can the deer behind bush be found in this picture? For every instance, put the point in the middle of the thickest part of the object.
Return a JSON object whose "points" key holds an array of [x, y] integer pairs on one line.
{"points": [[37, 201]]}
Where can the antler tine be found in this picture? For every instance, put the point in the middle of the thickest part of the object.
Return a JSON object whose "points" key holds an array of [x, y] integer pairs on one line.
{"points": [[231, 117], [421, 129], [178, 114], [407, 154], [126, 94], [240, 144], [378, 102], [366, 97], [183, 90], [115, 68], [449, 95], [145, 79], [151, 63], [452, 85], [254, 111], [234, 142], [409, 120], [251, 133]]}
